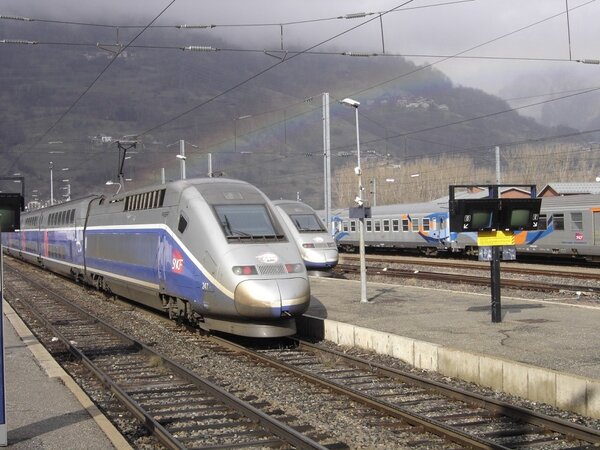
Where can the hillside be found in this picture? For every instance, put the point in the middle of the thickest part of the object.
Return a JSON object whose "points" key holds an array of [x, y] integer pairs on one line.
{"points": [[263, 132]]}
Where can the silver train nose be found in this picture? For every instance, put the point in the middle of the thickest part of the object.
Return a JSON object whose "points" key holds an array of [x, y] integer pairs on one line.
{"points": [[272, 299]]}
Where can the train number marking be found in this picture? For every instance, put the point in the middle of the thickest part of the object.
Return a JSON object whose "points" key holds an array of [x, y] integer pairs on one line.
{"points": [[205, 286]]}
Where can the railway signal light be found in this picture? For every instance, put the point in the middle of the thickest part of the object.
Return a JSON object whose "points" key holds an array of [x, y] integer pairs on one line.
{"points": [[487, 214], [11, 205]]}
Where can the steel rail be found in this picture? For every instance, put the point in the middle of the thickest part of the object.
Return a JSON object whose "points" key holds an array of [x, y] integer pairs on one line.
{"points": [[471, 279], [506, 268], [496, 406], [412, 418], [279, 429]]}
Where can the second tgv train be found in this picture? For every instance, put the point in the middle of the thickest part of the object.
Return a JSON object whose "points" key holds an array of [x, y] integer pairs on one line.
{"points": [[569, 226], [212, 251], [317, 246]]}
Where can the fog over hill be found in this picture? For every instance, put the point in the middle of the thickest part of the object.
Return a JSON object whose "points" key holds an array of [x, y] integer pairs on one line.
{"points": [[256, 126]]}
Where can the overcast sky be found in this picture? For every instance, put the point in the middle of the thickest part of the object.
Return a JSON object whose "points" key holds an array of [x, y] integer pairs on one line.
{"points": [[427, 27]]}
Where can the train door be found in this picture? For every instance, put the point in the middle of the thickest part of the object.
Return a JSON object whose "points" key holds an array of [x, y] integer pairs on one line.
{"points": [[596, 222]]}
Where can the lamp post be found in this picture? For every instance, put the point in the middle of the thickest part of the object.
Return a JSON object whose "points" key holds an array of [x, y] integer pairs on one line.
{"points": [[51, 185], [359, 200]]}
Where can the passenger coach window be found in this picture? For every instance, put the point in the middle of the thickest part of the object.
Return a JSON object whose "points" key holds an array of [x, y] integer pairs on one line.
{"points": [[345, 226], [543, 222], [353, 225], [377, 225], [395, 225], [415, 224], [369, 225], [576, 221], [404, 224], [386, 225], [425, 224], [558, 221]]}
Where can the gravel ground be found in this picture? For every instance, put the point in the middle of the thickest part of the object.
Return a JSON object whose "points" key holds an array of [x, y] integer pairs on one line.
{"points": [[344, 422]]}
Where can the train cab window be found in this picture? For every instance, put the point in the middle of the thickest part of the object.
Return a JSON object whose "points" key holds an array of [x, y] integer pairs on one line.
{"points": [[377, 225], [404, 224], [72, 216], [558, 222], [543, 222], [307, 223], [247, 222], [369, 225], [353, 226], [415, 225], [576, 221], [426, 224], [386, 225], [182, 225], [395, 225]]}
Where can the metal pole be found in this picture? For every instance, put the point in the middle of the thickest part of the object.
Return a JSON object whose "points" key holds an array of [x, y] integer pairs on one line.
{"points": [[51, 186], [3, 425], [374, 191], [498, 165], [210, 169], [495, 274], [162, 175], [327, 161], [182, 159], [361, 225]]}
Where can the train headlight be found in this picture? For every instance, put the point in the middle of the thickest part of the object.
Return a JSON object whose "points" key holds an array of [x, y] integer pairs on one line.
{"points": [[294, 268], [308, 245], [244, 270]]}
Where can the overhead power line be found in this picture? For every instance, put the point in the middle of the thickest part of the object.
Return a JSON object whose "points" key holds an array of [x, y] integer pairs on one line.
{"points": [[233, 25], [91, 85]]}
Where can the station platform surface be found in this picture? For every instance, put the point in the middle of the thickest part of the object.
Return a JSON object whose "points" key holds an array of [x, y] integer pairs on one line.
{"points": [[543, 350], [45, 409]]}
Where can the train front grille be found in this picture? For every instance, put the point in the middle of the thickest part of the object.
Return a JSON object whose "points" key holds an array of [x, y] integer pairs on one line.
{"points": [[271, 269]]}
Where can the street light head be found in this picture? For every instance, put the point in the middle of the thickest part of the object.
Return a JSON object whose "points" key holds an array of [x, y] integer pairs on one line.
{"points": [[350, 102], [181, 157], [359, 201], [598, 179], [357, 170]]}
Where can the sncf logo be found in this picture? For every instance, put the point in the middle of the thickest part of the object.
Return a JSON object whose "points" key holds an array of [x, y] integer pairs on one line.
{"points": [[176, 261]]}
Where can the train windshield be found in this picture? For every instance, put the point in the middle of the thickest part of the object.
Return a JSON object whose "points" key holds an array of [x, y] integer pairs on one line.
{"points": [[246, 222], [307, 222]]}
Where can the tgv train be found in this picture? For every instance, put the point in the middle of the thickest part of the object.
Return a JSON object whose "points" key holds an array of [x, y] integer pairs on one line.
{"points": [[569, 226], [317, 246], [211, 251]]}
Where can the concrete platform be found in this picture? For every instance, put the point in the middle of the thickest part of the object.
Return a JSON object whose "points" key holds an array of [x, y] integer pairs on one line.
{"points": [[542, 350], [45, 408]]}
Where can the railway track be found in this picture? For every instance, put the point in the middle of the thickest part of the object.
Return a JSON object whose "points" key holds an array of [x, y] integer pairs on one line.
{"points": [[466, 418], [180, 409], [474, 265], [374, 265], [200, 414]]}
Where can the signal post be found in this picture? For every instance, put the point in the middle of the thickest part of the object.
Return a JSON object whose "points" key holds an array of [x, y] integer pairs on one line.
{"points": [[495, 221]]}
